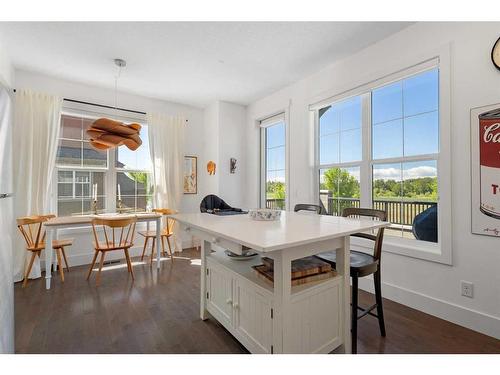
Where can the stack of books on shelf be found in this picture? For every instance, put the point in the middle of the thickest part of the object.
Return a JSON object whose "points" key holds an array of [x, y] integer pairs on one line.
{"points": [[304, 270]]}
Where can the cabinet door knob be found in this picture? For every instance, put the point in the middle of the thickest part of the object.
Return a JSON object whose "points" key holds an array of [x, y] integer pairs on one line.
{"points": [[229, 301]]}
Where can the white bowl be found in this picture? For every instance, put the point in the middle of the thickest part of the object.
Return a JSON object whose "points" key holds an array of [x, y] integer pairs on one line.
{"points": [[264, 214]]}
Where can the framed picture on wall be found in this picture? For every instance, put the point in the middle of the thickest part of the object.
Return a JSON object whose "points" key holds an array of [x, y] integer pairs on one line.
{"points": [[190, 175], [485, 168]]}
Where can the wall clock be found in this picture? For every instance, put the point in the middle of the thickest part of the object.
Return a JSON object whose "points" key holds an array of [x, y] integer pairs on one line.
{"points": [[495, 54]]}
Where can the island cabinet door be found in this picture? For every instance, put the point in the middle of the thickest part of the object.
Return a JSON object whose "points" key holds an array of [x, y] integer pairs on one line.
{"points": [[220, 294], [253, 317]]}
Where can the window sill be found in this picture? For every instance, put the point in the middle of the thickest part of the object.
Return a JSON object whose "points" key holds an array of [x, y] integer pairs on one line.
{"points": [[411, 248]]}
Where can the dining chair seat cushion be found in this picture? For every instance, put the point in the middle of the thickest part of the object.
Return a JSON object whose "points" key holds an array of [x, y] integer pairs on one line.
{"points": [[56, 244], [152, 233], [362, 264]]}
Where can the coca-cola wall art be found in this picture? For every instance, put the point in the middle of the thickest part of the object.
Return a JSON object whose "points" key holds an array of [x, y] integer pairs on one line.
{"points": [[485, 168]]}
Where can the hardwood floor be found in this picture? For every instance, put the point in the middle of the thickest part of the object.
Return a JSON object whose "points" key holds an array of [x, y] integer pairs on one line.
{"points": [[158, 313]]}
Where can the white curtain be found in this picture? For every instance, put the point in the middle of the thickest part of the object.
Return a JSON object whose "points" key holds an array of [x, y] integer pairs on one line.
{"points": [[166, 143], [36, 131]]}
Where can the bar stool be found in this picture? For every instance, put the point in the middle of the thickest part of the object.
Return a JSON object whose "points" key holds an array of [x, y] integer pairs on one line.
{"points": [[362, 265], [166, 233], [31, 227]]}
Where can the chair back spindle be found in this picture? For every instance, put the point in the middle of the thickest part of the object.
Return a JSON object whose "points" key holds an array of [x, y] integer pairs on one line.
{"points": [[109, 228], [32, 230]]}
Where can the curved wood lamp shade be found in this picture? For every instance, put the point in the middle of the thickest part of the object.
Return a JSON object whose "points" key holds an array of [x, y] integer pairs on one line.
{"points": [[105, 133]]}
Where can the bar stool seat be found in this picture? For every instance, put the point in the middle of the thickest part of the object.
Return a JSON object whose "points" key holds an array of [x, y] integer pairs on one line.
{"points": [[362, 264]]}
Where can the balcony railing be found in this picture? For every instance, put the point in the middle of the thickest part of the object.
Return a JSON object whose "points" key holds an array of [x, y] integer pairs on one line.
{"points": [[276, 204], [398, 212]]}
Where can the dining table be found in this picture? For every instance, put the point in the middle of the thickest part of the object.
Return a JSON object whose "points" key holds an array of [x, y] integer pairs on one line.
{"points": [[55, 224]]}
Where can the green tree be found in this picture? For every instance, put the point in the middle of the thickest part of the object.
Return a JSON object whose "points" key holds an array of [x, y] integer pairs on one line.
{"points": [[341, 183], [275, 190], [142, 178]]}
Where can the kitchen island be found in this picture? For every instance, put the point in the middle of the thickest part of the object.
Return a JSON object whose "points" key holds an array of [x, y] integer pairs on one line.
{"points": [[276, 317]]}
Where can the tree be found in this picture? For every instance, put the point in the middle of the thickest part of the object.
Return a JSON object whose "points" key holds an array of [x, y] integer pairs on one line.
{"points": [[275, 190], [141, 178], [341, 183]]}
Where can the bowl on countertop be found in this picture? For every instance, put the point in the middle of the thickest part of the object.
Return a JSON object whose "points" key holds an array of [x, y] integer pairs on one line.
{"points": [[265, 214]]}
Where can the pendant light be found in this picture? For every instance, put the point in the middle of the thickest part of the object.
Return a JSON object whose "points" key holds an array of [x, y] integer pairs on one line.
{"points": [[106, 133]]}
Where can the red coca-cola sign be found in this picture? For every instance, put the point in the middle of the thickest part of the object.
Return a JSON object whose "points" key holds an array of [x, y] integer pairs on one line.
{"points": [[489, 162], [489, 138]]}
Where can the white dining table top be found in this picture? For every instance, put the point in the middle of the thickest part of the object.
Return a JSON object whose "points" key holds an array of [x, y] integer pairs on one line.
{"points": [[292, 229], [87, 219]]}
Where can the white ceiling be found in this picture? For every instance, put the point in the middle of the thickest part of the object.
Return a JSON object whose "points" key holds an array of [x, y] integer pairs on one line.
{"points": [[188, 62]]}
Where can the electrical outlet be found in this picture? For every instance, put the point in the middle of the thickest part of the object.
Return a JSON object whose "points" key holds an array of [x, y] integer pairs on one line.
{"points": [[467, 288]]}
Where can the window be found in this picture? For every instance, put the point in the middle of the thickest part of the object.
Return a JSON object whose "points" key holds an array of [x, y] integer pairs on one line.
{"points": [[381, 148], [273, 139], [134, 175], [79, 166], [405, 132], [340, 154]]}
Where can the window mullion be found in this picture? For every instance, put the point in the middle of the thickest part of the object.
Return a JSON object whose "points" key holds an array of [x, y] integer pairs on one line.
{"points": [[111, 178], [365, 167]]}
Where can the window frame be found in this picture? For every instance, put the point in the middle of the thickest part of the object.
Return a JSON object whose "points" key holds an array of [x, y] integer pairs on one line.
{"points": [[276, 118], [111, 171], [440, 252]]}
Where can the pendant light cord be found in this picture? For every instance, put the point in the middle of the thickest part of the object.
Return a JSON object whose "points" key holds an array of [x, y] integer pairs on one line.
{"points": [[116, 87]]}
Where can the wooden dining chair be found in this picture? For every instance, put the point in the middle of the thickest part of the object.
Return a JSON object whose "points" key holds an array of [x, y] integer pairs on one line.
{"points": [[33, 232], [363, 264], [117, 234], [165, 234]]}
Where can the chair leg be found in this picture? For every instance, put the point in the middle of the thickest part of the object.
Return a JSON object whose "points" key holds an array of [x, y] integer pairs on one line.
{"points": [[162, 246], [144, 248], [354, 315], [127, 256], [378, 299], [65, 259], [33, 255], [98, 278], [59, 263], [170, 248], [152, 252], [93, 264], [126, 260]]}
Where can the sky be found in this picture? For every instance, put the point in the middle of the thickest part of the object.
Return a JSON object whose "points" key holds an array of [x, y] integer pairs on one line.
{"points": [[405, 122], [139, 159]]}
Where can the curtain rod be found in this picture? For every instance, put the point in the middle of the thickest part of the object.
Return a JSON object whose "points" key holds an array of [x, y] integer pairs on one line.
{"points": [[103, 106]]}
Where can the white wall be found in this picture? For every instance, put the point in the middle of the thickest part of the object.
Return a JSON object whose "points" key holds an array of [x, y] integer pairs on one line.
{"points": [[224, 138], [6, 281], [428, 286], [211, 148], [232, 118], [81, 252], [6, 69]]}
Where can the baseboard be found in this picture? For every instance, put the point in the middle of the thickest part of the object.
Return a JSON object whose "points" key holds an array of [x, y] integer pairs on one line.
{"points": [[465, 317]]}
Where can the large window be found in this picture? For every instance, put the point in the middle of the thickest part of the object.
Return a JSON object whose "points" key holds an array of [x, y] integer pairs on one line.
{"points": [[79, 166], [380, 149], [273, 139]]}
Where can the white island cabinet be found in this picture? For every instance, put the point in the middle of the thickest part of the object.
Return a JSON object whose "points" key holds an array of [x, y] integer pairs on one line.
{"points": [[276, 317]]}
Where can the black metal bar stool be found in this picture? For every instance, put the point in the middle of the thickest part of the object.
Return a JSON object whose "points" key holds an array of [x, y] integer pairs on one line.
{"points": [[362, 265]]}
